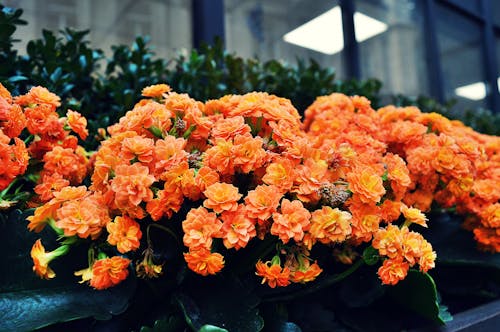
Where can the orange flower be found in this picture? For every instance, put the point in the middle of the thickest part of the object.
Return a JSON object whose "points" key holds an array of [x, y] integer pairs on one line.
{"points": [[366, 183], [124, 233], [85, 217], [132, 185], [12, 119], [109, 272], [273, 274], [291, 222], [138, 147], [200, 227], [262, 202], [487, 189], [228, 128], [203, 262], [50, 184], [78, 124], [389, 241], [39, 95], [491, 216], [414, 216], [237, 228], [41, 259], [155, 91], [307, 273], [220, 157], [248, 153], [67, 162], [488, 238], [221, 197], [330, 225], [428, 257], [280, 173], [205, 177], [390, 210], [167, 201], [169, 152], [392, 271]]}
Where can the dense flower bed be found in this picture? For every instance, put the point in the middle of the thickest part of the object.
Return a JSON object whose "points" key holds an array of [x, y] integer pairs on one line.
{"points": [[246, 168]]}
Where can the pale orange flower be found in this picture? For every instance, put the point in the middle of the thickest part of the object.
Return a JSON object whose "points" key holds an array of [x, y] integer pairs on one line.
{"points": [[169, 152], [237, 229], [155, 91], [330, 225], [132, 185], [414, 216], [77, 123], [200, 227], [273, 274], [167, 201], [228, 128], [388, 241], [124, 233], [392, 271], [262, 202], [205, 177], [291, 222], [84, 218], [203, 262], [50, 183], [490, 217], [280, 173], [39, 95], [307, 273], [221, 197], [366, 183], [219, 157], [67, 162], [41, 259], [139, 148], [109, 272], [248, 153]]}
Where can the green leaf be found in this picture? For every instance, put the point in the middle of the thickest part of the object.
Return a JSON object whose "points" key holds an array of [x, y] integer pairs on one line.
{"points": [[211, 328], [418, 292], [222, 302], [28, 303], [370, 256], [170, 324]]}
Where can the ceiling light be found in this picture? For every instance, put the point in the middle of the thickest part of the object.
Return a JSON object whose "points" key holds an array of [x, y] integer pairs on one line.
{"points": [[474, 91], [324, 33]]}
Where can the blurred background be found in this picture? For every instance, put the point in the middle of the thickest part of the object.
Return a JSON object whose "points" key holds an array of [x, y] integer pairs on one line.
{"points": [[445, 49]]}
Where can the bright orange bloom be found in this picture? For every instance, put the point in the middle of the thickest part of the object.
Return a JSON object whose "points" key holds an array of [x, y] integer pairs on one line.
{"points": [[248, 153], [200, 227], [310, 177], [273, 274], [389, 241], [124, 233], [221, 197], [390, 210], [138, 119], [67, 162], [169, 152], [203, 262], [50, 184], [280, 173], [228, 128], [4, 93], [13, 159], [41, 259], [86, 217], [487, 189], [220, 157], [167, 201], [12, 119], [490, 217], [414, 216], [366, 183], [109, 272], [292, 221], [307, 274], [39, 95], [77, 123], [237, 229], [392, 271], [132, 185], [155, 91], [138, 147], [205, 177], [263, 201], [330, 225], [488, 238]]}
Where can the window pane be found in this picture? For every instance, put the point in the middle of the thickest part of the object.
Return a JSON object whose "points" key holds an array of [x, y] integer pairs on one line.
{"points": [[396, 54], [462, 59], [111, 22], [257, 28]]}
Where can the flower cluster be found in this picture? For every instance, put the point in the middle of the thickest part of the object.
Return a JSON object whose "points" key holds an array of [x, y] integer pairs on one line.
{"points": [[424, 157], [247, 169], [48, 147]]}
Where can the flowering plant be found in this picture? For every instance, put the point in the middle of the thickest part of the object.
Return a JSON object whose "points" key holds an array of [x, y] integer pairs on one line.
{"points": [[246, 185]]}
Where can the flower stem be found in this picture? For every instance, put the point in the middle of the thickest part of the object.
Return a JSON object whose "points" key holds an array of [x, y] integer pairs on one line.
{"points": [[163, 228], [317, 286]]}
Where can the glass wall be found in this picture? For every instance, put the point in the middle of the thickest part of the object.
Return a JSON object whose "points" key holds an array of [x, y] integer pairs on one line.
{"points": [[111, 22], [285, 30], [395, 53], [462, 59]]}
